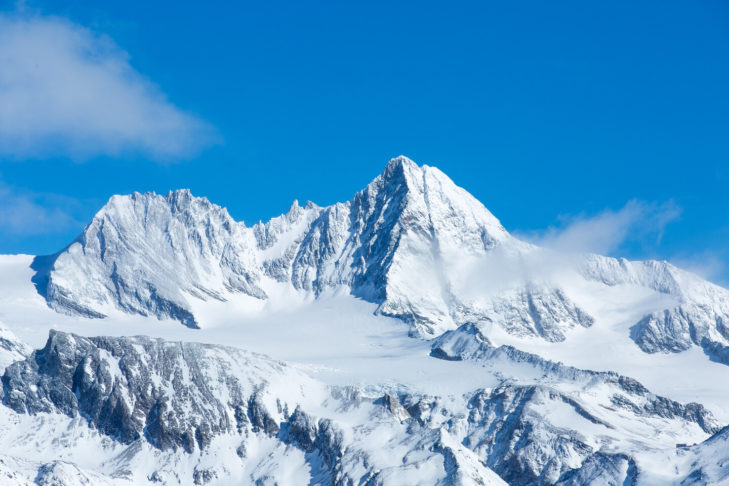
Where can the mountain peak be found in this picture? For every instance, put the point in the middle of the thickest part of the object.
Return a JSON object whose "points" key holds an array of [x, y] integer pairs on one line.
{"points": [[179, 195], [401, 162], [400, 168]]}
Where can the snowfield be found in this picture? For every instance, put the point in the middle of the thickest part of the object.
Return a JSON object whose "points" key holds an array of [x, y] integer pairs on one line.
{"points": [[402, 337]]}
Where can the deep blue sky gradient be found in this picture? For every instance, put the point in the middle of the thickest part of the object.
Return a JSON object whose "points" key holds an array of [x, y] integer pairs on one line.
{"points": [[539, 109]]}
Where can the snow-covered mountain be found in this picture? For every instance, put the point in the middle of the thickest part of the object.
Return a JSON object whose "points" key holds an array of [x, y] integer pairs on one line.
{"points": [[150, 254], [423, 343], [421, 248]]}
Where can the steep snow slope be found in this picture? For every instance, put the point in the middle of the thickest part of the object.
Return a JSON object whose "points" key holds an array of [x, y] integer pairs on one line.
{"points": [[702, 464], [700, 316], [11, 348]]}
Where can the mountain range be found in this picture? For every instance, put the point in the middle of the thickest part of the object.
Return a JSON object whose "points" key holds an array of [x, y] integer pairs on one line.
{"points": [[406, 338]]}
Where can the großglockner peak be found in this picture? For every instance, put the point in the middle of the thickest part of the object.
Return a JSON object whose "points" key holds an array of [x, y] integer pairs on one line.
{"points": [[420, 247]]}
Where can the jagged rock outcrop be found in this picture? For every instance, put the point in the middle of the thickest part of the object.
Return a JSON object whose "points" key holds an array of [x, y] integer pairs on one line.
{"points": [[700, 315], [603, 469], [129, 388], [467, 343], [515, 429]]}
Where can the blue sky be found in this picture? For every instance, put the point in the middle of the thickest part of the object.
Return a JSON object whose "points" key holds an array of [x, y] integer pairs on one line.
{"points": [[598, 126]]}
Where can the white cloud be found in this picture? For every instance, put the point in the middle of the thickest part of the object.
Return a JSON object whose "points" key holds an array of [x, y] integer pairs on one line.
{"points": [[708, 264], [605, 232], [25, 214], [65, 90]]}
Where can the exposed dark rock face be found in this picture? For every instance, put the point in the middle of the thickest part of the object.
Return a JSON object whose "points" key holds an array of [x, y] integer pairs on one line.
{"points": [[677, 329], [601, 468], [130, 388], [323, 444], [508, 430]]}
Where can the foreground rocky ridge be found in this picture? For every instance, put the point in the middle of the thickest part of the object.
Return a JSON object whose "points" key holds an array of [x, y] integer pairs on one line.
{"points": [[543, 423], [188, 401]]}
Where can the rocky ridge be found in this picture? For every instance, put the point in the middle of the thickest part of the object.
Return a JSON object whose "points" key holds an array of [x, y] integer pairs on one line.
{"points": [[186, 399]]}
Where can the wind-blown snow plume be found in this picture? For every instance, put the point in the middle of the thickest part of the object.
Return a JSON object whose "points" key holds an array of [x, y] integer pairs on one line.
{"points": [[605, 232]]}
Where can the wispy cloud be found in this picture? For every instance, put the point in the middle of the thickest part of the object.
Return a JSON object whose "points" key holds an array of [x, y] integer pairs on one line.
{"points": [[68, 91], [607, 231], [24, 213], [709, 264]]}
